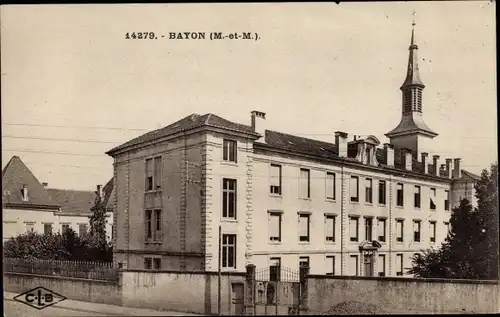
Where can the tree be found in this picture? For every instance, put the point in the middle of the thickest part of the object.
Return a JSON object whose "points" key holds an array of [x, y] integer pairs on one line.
{"points": [[471, 248], [487, 195], [97, 235]]}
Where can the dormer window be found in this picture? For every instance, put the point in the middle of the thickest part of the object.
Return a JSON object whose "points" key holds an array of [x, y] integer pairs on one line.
{"points": [[367, 155], [24, 192]]}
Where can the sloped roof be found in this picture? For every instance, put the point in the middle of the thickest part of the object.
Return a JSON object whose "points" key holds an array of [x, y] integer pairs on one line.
{"points": [[14, 176], [471, 175], [75, 202], [109, 191], [188, 123], [297, 144], [411, 124]]}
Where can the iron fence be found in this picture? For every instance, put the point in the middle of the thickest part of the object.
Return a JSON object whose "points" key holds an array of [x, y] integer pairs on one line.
{"points": [[76, 269]]}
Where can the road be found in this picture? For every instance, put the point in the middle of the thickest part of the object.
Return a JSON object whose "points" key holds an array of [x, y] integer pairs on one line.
{"points": [[68, 308]]}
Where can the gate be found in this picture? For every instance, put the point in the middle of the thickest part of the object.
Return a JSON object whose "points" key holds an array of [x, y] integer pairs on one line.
{"points": [[277, 291]]}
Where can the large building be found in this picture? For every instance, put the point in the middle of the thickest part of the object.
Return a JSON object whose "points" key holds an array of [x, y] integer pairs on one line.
{"points": [[347, 207], [30, 206]]}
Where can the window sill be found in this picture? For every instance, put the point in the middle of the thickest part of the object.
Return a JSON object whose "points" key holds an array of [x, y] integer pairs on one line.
{"points": [[353, 242], [274, 242], [382, 205], [229, 163], [152, 243], [230, 220], [275, 195], [417, 209], [305, 198], [330, 200], [369, 204], [400, 242], [354, 202], [330, 243], [400, 207], [228, 269], [304, 243], [152, 191]]}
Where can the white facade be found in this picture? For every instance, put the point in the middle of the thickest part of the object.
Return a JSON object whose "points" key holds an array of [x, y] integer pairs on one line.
{"points": [[20, 221], [327, 255]]}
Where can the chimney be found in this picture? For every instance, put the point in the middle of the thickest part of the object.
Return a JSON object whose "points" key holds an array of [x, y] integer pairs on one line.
{"points": [[45, 185], [341, 143], [435, 159], [407, 159], [259, 123], [99, 191], [389, 154], [25, 192], [448, 167], [424, 162], [457, 172]]}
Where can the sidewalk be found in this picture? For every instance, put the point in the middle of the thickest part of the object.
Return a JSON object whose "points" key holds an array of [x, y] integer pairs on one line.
{"points": [[106, 309]]}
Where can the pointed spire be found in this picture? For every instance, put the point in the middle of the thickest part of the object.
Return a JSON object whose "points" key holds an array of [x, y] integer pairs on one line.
{"points": [[412, 75]]}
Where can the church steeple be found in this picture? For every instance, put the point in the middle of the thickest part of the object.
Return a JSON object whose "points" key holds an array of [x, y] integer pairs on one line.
{"points": [[412, 74], [412, 126]]}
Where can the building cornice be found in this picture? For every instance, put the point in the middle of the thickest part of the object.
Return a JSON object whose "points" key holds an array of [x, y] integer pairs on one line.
{"points": [[198, 130], [31, 206], [265, 149]]}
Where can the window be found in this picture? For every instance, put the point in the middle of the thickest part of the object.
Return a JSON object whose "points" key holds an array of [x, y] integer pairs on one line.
{"points": [[368, 228], [275, 226], [330, 228], [305, 190], [157, 263], [432, 230], [153, 173], [353, 265], [275, 179], [447, 225], [30, 227], [354, 188], [149, 174], [304, 227], [399, 230], [330, 265], [399, 265], [416, 230], [381, 265], [157, 172], [330, 185], [432, 199], [416, 197], [148, 263], [274, 269], [229, 251], [400, 197], [82, 229], [64, 228], [381, 229], [447, 200], [368, 191], [353, 229], [47, 228], [229, 151], [153, 224], [304, 261], [381, 192], [229, 198]]}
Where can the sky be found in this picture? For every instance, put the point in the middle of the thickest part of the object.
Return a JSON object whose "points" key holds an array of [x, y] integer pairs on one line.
{"points": [[68, 73]]}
